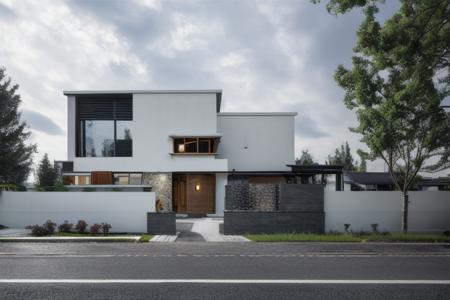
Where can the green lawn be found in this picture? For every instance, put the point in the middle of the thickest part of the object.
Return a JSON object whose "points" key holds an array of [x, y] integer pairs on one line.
{"points": [[145, 238], [308, 237]]}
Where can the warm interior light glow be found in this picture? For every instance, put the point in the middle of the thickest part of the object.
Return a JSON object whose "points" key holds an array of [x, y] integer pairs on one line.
{"points": [[181, 148], [197, 187]]}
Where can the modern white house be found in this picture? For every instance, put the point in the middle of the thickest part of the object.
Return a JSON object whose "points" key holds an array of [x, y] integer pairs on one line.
{"points": [[176, 143]]}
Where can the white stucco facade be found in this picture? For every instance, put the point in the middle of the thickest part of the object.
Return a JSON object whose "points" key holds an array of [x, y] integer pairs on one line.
{"points": [[257, 141], [156, 117], [248, 141]]}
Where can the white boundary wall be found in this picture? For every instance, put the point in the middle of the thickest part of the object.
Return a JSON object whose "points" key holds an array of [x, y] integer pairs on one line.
{"points": [[429, 211], [125, 211]]}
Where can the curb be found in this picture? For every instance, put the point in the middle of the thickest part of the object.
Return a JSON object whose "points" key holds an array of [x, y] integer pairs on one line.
{"points": [[71, 240]]}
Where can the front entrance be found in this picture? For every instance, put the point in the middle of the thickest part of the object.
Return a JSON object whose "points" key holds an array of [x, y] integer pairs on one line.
{"points": [[194, 193]]}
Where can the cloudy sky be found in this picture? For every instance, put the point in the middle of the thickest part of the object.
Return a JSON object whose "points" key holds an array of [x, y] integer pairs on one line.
{"points": [[264, 55]]}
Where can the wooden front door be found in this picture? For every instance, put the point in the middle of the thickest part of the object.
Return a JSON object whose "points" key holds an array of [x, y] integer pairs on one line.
{"points": [[194, 193], [179, 193]]}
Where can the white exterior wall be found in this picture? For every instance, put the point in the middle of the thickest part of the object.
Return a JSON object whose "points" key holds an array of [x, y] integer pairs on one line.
{"points": [[125, 211], [221, 182], [428, 211], [155, 118], [257, 142]]}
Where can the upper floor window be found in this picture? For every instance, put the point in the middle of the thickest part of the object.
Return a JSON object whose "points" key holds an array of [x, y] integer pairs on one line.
{"points": [[195, 145], [104, 125]]}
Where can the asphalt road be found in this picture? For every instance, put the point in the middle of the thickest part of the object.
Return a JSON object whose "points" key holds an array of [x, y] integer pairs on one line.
{"points": [[204, 270]]}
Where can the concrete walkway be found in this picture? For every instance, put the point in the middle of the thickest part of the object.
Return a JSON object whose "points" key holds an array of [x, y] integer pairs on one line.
{"points": [[199, 230], [209, 230]]}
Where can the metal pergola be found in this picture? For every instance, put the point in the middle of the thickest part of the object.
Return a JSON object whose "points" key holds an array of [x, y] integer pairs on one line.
{"points": [[307, 171]]}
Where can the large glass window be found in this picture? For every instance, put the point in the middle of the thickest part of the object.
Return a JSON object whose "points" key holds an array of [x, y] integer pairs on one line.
{"points": [[124, 141], [104, 125], [99, 138]]}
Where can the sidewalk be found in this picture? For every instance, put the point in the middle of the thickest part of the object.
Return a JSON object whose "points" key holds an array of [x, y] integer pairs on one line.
{"points": [[14, 232], [23, 235], [72, 239]]}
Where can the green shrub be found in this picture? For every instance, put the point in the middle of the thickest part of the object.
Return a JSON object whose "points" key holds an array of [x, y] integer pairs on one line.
{"points": [[49, 226], [65, 227], [81, 226], [105, 228], [37, 230], [95, 229]]}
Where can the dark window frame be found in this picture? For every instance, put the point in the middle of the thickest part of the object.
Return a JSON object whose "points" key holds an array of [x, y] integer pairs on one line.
{"points": [[212, 142], [122, 113]]}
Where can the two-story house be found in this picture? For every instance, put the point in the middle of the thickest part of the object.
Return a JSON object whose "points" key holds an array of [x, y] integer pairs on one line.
{"points": [[173, 142]]}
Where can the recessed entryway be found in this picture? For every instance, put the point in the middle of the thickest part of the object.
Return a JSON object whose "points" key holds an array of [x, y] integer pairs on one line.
{"points": [[194, 193]]}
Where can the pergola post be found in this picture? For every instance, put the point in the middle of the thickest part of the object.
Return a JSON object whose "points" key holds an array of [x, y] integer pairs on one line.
{"points": [[338, 181]]}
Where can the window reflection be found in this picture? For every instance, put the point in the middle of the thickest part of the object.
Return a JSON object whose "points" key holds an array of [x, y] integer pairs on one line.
{"points": [[124, 143], [99, 138]]}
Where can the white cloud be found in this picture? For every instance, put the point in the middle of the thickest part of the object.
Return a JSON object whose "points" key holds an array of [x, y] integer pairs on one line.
{"points": [[151, 4], [48, 47], [266, 56], [186, 33]]}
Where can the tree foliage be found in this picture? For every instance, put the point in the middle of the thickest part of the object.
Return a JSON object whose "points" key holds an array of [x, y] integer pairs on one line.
{"points": [[15, 153], [305, 159], [343, 156], [399, 77], [46, 173]]}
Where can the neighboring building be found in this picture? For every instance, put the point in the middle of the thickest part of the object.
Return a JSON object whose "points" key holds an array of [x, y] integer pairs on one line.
{"points": [[434, 184], [368, 181], [176, 143], [364, 181]]}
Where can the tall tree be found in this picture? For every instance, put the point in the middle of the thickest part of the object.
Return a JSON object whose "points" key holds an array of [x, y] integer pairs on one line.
{"points": [[363, 164], [15, 152], [305, 159], [399, 77], [343, 156], [46, 173]]}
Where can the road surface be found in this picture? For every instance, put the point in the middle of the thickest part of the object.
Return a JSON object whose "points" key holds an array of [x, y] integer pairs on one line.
{"points": [[224, 271]]}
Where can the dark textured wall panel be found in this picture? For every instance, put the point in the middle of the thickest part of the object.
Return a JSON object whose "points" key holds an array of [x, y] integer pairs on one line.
{"points": [[242, 222], [161, 223], [301, 197]]}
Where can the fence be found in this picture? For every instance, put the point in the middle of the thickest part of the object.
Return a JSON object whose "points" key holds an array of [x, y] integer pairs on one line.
{"points": [[429, 211], [271, 208], [266, 208], [125, 211]]}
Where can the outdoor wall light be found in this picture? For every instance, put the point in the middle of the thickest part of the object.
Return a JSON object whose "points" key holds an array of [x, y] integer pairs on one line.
{"points": [[197, 187]]}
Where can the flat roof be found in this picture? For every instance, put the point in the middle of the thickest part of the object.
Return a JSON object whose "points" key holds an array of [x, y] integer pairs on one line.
{"points": [[257, 114], [217, 92], [90, 92]]}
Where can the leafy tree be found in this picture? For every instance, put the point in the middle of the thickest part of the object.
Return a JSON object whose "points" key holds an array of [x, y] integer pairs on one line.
{"points": [[363, 164], [15, 153], [399, 77], [46, 174], [343, 156], [305, 159]]}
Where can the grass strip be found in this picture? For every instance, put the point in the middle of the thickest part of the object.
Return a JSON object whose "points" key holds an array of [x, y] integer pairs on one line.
{"points": [[309, 237], [145, 238]]}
